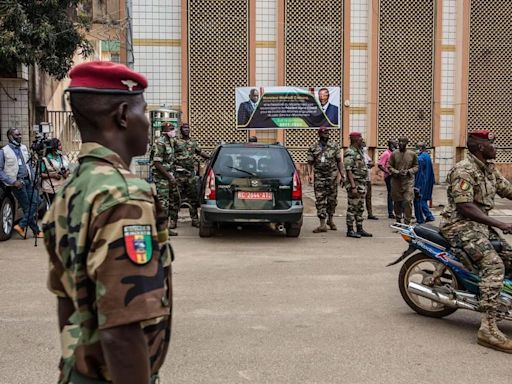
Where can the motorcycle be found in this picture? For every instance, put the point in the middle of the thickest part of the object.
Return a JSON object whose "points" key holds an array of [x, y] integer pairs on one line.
{"points": [[436, 280]]}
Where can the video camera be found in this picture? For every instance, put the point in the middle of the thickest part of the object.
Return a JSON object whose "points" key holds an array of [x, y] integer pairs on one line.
{"points": [[41, 142]]}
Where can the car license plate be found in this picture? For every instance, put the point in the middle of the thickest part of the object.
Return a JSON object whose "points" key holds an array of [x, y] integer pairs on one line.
{"points": [[254, 195]]}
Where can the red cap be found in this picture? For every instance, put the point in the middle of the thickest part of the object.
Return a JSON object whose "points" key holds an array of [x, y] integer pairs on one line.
{"points": [[323, 130], [106, 77], [165, 124], [355, 134], [482, 134]]}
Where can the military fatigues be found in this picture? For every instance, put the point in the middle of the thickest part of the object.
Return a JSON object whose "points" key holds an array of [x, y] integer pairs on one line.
{"points": [[402, 186], [163, 152], [184, 151], [355, 162], [472, 181], [111, 259], [324, 160]]}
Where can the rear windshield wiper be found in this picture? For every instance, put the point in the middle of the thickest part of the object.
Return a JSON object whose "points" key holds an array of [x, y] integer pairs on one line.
{"points": [[241, 170]]}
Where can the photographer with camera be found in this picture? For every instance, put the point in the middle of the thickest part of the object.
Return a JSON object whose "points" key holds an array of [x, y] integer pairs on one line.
{"points": [[54, 169], [16, 172]]}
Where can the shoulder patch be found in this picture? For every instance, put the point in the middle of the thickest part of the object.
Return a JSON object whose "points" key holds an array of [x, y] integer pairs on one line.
{"points": [[138, 243], [464, 185]]}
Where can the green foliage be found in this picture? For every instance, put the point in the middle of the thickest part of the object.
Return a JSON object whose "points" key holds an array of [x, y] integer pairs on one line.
{"points": [[44, 32]]}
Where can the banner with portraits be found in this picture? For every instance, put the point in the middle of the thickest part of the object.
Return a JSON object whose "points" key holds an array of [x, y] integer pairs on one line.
{"points": [[287, 107]]}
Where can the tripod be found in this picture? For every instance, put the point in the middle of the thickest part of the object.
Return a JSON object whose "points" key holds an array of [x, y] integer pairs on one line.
{"points": [[36, 158]]}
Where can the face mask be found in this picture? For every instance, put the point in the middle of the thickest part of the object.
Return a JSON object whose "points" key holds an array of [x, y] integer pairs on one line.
{"points": [[15, 142]]}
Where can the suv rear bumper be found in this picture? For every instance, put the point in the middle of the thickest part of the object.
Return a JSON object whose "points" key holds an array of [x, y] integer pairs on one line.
{"points": [[215, 214]]}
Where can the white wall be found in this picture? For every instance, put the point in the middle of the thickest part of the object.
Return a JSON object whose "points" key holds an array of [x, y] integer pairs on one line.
{"points": [[14, 108]]}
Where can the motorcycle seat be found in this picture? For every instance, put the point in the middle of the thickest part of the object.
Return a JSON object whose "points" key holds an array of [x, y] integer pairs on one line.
{"points": [[431, 233]]}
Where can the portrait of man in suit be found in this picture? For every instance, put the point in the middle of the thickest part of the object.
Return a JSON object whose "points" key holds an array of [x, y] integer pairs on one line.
{"points": [[246, 108], [330, 110]]}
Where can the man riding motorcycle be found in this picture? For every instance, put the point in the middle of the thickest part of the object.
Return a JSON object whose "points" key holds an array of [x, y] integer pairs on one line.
{"points": [[472, 186]]}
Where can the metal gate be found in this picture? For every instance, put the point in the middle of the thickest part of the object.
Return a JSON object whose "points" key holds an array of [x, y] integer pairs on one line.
{"points": [[66, 130]]}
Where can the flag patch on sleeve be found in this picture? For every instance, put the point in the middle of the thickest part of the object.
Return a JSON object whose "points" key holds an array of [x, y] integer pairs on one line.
{"points": [[464, 185], [138, 243]]}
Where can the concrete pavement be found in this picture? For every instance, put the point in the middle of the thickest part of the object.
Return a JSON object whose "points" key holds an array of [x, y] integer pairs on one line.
{"points": [[252, 306]]}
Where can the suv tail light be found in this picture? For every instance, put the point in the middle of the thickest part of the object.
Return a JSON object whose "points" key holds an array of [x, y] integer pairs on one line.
{"points": [[209, 190], [297, 187]]}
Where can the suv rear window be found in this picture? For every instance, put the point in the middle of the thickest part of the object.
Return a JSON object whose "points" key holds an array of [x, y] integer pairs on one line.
{"points": [[256, 161]]}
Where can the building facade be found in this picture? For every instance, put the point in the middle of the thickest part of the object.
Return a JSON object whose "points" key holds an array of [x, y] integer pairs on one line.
{"points": [[30, 96], [431, 70]]}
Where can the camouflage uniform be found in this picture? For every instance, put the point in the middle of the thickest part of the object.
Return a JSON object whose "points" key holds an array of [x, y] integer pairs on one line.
{"points": [[355, 162], [184, 151], [325, 166], [163, 152], [111, 259], [472, 181]]}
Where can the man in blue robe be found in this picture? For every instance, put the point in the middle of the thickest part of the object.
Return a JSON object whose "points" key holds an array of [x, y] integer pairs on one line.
{"points": [[423, 185]]}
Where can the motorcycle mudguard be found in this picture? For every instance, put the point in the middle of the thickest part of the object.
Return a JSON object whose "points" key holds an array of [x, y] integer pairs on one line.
{"points": [[408, 252]]}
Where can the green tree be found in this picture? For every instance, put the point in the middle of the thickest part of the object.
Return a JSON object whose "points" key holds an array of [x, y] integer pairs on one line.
{"points": [[47, 33]]}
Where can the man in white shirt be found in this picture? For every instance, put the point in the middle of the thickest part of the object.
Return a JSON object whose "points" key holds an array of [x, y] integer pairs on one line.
{"points": [[16, 172]]}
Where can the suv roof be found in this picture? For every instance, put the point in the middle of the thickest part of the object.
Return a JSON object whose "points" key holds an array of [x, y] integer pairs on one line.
{"points": [[251, 145]]}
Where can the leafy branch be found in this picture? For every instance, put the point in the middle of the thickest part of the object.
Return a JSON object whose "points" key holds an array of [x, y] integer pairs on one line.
{"points": [[47, 33]]}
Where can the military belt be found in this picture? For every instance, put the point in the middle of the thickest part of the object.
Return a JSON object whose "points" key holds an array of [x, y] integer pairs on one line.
{"points": [[78, 378]]}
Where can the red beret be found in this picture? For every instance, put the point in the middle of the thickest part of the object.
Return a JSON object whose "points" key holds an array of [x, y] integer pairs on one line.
{"points": [[106, 77], [355, 134], [166, 124], [482, 134], [323, 130]]}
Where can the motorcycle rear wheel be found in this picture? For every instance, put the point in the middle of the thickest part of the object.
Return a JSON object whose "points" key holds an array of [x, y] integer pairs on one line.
{"points": [[419, 268]]}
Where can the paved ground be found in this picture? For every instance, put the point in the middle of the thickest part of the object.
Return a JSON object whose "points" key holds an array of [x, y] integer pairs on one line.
{"points": [[252, 306]]}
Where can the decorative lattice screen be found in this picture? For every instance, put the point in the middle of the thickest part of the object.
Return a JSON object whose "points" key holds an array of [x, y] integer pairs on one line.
{"points": [[313, 57], [406, 70], [218, 63], [490, 71]]}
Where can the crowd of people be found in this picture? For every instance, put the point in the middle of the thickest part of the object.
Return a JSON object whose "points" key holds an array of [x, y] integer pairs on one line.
{"points": [[107, 231], [28, 175], [40, 176], [173, 172], [409, 178]]}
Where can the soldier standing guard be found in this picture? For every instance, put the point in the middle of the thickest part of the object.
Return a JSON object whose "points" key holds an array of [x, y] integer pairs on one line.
{"points": [[184, 149], [357, 175], [472, 186], [162, 170], [325, 158], [110, 260]]}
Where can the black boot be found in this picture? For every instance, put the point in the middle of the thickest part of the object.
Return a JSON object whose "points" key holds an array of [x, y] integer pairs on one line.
{"points": [[352, 233], [361, 232]]}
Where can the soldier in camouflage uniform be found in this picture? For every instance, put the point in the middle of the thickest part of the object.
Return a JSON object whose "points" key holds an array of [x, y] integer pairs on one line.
{"points": [[325, 159], [162, 170], [185, 148], [110, 261], [472, 186], [357, 175]]}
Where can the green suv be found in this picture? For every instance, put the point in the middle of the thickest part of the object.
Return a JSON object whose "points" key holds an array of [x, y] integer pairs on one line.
{"points": [[251, 183]]}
